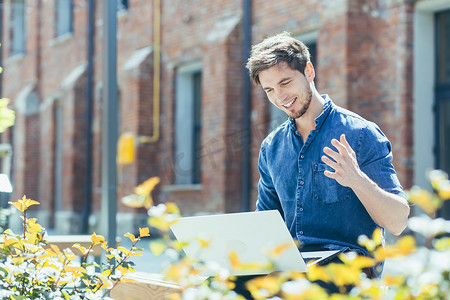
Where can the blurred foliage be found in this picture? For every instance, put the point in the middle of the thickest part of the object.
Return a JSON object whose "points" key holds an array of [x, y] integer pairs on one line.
{"points": [[32, 268], [7, 116], [415, 272]]}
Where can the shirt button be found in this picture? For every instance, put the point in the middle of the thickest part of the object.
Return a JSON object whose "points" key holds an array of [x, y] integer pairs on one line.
{"points": [[302, 182], [301, 208], [301, 232], [302, 156]]}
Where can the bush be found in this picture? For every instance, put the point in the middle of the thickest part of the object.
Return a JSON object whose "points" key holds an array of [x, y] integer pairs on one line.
{"points": [[31, 268]]}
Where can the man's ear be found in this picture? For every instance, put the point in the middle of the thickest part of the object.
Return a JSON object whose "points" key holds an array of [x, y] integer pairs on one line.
{"points": [[310, 74]]}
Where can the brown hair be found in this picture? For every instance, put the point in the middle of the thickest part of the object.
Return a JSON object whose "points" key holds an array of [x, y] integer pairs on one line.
{"points": [[273, 50]]}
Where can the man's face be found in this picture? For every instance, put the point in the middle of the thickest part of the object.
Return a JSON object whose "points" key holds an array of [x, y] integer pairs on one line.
{"points": [[287, 89]]}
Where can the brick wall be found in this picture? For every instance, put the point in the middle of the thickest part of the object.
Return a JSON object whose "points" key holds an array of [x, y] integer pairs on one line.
{"points": [[364, 56]]}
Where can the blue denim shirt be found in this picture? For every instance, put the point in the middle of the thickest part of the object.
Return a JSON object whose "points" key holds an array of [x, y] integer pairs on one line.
{"points": [[317, 209]]}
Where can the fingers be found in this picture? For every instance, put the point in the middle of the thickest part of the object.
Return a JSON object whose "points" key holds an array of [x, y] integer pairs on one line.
{"points": [[339, 146], [344, 142], [330, 174], [344, 149], [330, 162], [328, 151]]}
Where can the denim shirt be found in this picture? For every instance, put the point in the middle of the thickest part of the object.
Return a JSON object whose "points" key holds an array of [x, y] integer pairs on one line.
{"points": [[317, 209]]}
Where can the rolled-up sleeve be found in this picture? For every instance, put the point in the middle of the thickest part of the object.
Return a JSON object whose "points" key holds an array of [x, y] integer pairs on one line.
{"points": [[375, 153]]}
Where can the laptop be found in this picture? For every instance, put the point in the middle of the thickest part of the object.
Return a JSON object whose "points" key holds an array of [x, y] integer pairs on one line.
{"points": [[251, 236]]}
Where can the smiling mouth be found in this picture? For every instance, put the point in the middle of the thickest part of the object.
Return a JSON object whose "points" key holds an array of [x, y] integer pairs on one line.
{"points": [[287, 105]]}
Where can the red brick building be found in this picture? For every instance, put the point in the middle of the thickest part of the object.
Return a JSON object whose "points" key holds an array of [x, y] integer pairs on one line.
{"points": [[386, 60]]}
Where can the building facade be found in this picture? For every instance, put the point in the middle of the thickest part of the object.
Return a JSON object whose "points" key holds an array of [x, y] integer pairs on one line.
{"points": [[388, 61]]}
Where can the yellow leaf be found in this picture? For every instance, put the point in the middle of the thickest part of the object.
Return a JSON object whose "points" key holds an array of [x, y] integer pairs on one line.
{"points": [[33, 226], [172, 208], [143, 232], [423, 199], [436, 177], [147, 186], [158, 247], [18, 259], [442, 244], [97, 239], [130, 236], [160, 223], [404, 246], [79, 247], [105, 283], [24, 203], [377, 237], [123, 270], [10, 241], [56, 249], [444, 189], [316, 272], [390, 280], [264, 286], [125, 149], [124, 250], [342, 274]]}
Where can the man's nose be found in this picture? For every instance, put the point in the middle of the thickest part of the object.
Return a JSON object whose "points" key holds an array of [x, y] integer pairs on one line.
{"points": [[280, 96]]}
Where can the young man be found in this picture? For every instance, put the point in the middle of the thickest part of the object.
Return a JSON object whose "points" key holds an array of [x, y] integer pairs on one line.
{"points": [[327, 170]]}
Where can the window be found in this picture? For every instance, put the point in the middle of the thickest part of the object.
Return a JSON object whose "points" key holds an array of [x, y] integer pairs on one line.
{"points": [[443, 96], [277, 116], [122, 5], [64, 17], [17, 27], [187, 161]]}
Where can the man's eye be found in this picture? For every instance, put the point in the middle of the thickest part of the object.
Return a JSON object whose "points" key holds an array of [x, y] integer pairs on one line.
{"points": [[285, 83]]}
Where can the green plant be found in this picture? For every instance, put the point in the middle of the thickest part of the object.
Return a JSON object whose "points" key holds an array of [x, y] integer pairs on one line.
{"points": [[31, 268]]}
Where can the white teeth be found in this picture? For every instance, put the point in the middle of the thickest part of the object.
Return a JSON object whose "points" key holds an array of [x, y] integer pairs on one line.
{"points": [[287, 105]]}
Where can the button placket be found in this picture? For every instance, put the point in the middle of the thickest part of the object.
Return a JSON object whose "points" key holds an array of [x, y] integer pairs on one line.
{"points": [[300, 186]]}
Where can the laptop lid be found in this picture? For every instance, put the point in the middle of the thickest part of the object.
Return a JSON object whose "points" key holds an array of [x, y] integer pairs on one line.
{"points": [[250, 235]]}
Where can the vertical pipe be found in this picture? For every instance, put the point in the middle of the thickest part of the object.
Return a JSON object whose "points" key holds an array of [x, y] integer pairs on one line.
{"points": [[156, 75], [89, 113], [109, 121], [246, 141]]}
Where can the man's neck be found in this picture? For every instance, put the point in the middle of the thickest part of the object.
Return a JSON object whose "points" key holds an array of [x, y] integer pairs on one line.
{"points": [[306, 123]]}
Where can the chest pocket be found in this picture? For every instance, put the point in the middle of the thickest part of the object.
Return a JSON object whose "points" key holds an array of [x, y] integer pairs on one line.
{"points": [[327, 190]]}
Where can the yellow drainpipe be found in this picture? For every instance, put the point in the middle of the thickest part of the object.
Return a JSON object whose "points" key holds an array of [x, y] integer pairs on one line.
{"points": [[156, 74]]}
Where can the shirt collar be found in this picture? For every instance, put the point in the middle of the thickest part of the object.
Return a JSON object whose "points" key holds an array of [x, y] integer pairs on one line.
{"points": [[327, 107]]}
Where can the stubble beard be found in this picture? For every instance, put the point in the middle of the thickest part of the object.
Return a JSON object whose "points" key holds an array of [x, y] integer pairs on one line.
{"points": [[307, 96]]}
